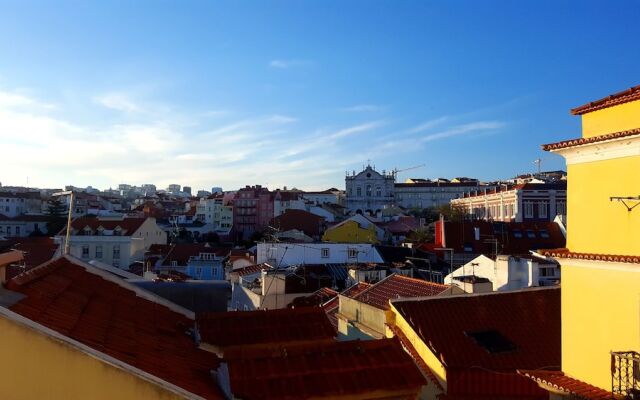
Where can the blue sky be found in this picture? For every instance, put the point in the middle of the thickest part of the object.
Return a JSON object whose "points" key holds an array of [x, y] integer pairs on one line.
{"points": [[296, 93]]}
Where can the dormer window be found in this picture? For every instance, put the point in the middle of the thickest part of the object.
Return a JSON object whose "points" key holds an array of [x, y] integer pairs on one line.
{"points": [[117, 231], [100, 231], [87, 231]]}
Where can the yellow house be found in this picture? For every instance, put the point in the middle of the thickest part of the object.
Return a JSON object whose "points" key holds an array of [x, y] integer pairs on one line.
{"points": [[357, 229], [601, 264]]}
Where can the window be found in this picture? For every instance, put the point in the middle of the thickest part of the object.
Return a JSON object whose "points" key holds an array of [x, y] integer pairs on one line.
{"points": [[352, 252], [325, 252], [116, 251], [561, 208], [17, 231], [517, 234], [492, 341], [98, 251], [531, 234], [117, 231], [174, 263], [85, 251], [199, 272], [358, 193], [528, 209], [544, 233], [8, 230], [542, 209]]}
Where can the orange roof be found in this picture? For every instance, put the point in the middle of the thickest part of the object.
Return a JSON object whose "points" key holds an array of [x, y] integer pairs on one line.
{"points": [[573, 387], [526, 321], [244, 328], [350, 369], [566, 253], [594, 139], [625, 96], [396, 286], [75, 300]]}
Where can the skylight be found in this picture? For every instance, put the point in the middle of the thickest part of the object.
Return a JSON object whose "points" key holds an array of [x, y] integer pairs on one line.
{"points": [[492, 341]]}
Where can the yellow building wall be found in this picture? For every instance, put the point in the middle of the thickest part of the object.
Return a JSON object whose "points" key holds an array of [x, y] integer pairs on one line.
{"points": [[35, 366], [600, 314], [421, 348], [594, 223], [350, 232], [613, 119]]}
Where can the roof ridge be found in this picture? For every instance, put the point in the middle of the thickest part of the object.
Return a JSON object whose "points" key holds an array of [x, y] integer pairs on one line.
{"points": [[467, 295], [420, 280], [625, 96], [33, 274], [593, 139]]}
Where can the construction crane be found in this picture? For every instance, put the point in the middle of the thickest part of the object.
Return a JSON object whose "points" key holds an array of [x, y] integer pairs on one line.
{"points": [[395, 171], [538, 163]]}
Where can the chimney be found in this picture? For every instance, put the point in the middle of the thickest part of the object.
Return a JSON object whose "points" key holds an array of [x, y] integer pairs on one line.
{"points": [[6, 259]]}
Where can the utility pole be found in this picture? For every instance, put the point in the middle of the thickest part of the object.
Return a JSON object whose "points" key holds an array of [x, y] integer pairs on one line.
{"points": [[67, 245]]}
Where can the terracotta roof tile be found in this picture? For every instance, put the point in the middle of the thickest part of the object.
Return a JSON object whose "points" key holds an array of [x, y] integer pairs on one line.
{"points": [[625, 96], [397, 286], [129, 225], [243, 328], [566, 253], [588, 140], [251, 269], [528, 319], [315, 299], [102, 314], [573, 387], [324, 370]]}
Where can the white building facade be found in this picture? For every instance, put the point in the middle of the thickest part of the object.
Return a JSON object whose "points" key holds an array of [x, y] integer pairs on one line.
{"points": [[369, 191], [288, 254], [507, 272]]}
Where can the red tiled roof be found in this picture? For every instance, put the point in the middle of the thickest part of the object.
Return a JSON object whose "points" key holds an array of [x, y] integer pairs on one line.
{"points": [[315, 299], [461, 236], [36, 251], [243, 328], [128, 225], [573, 387], [397, 286], [403, 225], [615, 99], [566, 253], [408, 346], [251, 269], [331, 306], [110, 318], [304, 221], [529, 319], [587, 140], [324, 370]]}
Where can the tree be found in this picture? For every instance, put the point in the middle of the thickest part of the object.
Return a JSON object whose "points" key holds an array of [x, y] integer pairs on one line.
{"points": [[452, 212], [56, 215]]}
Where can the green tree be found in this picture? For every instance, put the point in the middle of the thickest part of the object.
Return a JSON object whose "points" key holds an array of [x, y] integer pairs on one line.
{"points": [[452, 213], [56, 216]]}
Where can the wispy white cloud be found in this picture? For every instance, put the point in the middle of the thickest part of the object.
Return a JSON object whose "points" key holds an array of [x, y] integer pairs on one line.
{"points": [[464, 129], [356, 129], [291, 63], [363, 108], [429, 124], [117, 101]]}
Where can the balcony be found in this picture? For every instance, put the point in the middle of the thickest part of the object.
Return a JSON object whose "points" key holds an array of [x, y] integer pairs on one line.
{"points": [[625, 374]]}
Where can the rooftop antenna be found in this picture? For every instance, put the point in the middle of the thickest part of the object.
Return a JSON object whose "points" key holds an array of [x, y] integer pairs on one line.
{"points": [[67, 245], [538, 162]]}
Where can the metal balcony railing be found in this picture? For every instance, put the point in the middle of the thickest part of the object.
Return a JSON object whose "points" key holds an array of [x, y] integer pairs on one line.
{"points": [[625, 374]]}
